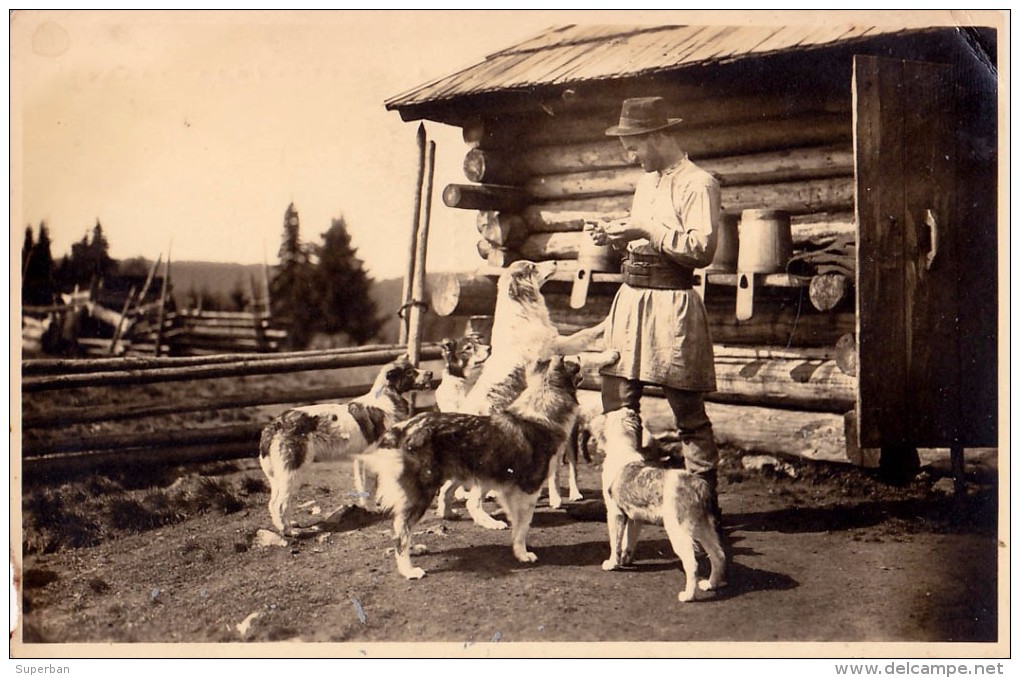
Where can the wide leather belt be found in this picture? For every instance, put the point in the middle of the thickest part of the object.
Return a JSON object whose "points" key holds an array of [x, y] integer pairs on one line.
{"points": [[656, 274]]}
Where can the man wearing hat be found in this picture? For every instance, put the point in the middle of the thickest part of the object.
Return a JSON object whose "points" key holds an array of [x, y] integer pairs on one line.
{"points": [[657, 322]]}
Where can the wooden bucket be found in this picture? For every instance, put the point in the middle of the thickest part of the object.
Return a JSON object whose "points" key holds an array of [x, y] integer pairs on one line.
{"points": [[591, 257], [766, 242], [727, 244], [597, 257]]}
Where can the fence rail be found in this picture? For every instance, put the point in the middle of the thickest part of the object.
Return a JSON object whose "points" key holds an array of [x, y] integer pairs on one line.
{"points": [[62, 453]]}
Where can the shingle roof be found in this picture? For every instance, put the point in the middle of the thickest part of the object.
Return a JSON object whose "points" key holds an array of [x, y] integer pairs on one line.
{"points": [[570, 54]]}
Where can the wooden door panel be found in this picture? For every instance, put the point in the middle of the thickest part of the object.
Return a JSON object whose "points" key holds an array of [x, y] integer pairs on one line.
{"points": [[908, 378]]}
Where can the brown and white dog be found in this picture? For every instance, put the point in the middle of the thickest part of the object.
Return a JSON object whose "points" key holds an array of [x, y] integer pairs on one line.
{"points": [[636, 492], [522, 332], [462, 364], [509, 453], [300, 435]]}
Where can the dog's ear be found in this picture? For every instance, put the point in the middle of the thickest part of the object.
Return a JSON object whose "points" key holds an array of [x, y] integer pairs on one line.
{"points": [[398, 369], [573, 370], [482, 352], [448, 345], [539, 367]]}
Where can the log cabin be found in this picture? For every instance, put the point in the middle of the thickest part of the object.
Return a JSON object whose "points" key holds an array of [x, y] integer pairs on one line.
{"points": [[882, 139]]}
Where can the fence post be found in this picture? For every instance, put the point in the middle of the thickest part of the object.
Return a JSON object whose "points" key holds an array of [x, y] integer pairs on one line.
{"points": [[405, 296]]}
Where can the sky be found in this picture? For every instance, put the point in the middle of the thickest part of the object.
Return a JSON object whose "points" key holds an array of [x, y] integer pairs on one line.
{"points": [[193, 131]]}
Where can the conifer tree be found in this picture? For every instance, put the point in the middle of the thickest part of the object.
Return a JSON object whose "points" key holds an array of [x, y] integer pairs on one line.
{"points": [[294, 294], [346, 305]]}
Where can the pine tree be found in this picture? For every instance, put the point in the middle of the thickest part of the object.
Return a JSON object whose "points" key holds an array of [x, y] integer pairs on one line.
{"points": [[292, 289], [88, 263], [26, 249], [346, 305], [38, 281], [99, 259]]}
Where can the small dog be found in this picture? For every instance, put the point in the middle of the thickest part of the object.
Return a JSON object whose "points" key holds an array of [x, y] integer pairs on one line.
{"points": [[510, 453], [462, 363], [294, 439], [522, 332], [636, 493]]}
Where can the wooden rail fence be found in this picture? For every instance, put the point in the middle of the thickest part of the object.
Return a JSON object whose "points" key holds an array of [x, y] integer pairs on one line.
{"points": [[64, 453]]}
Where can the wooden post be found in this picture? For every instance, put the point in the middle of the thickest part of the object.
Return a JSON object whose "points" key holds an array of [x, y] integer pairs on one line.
{"points": [[405, 296], [149, 278], [418, 289], [120, 323], [162, 304], [265, 281], [260, 335]]}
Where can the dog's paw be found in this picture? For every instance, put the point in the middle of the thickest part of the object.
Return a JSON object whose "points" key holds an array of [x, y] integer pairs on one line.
{"points": [[414, 573], [555, 502], [576, 496], [492, 524], [686, 596], [610, 564], [526, 557], [708, 585]]}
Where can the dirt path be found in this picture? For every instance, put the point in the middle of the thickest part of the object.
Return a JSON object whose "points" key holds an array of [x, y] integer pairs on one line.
{"points": [[830, 555]]}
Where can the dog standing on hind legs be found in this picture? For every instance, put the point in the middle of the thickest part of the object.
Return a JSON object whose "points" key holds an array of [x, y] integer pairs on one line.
{"points": [[522, 332], [293, 440], [636, 492]]}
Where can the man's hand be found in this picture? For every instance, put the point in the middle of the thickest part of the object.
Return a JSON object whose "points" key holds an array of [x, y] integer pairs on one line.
{"points": [[617, 232]]}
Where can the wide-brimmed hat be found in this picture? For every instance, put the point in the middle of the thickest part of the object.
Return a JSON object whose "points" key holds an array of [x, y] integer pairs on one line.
{"points": [[642, 115]]}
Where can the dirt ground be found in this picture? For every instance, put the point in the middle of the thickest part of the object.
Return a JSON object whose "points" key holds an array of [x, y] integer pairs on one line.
{"points": [[820, 552]]}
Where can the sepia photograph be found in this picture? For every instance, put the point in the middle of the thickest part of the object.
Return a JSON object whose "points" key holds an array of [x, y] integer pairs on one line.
{"points": [[492, 333]]}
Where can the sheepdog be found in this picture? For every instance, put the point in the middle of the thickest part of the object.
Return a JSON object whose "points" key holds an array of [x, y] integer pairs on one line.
{"points": [[522, 332], [509, 453], [300, 435], [462, 363], [636, 492]]}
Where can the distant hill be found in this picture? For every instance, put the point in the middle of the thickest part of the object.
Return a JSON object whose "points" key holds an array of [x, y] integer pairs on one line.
{"points": [[218, 280]]}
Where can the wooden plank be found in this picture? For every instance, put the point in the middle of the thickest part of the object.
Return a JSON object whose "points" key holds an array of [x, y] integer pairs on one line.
{"points": [[785, 165], [724, 140], [269, 365], [483, 197], [878, 129], [704, 111], [78, 415], [835, 194], [777, 322], [66, 366], [931, 298], [818, 436]]}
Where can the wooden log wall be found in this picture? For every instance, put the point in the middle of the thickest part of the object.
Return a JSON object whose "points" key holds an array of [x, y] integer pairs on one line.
{"points": [[536, 179]]}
